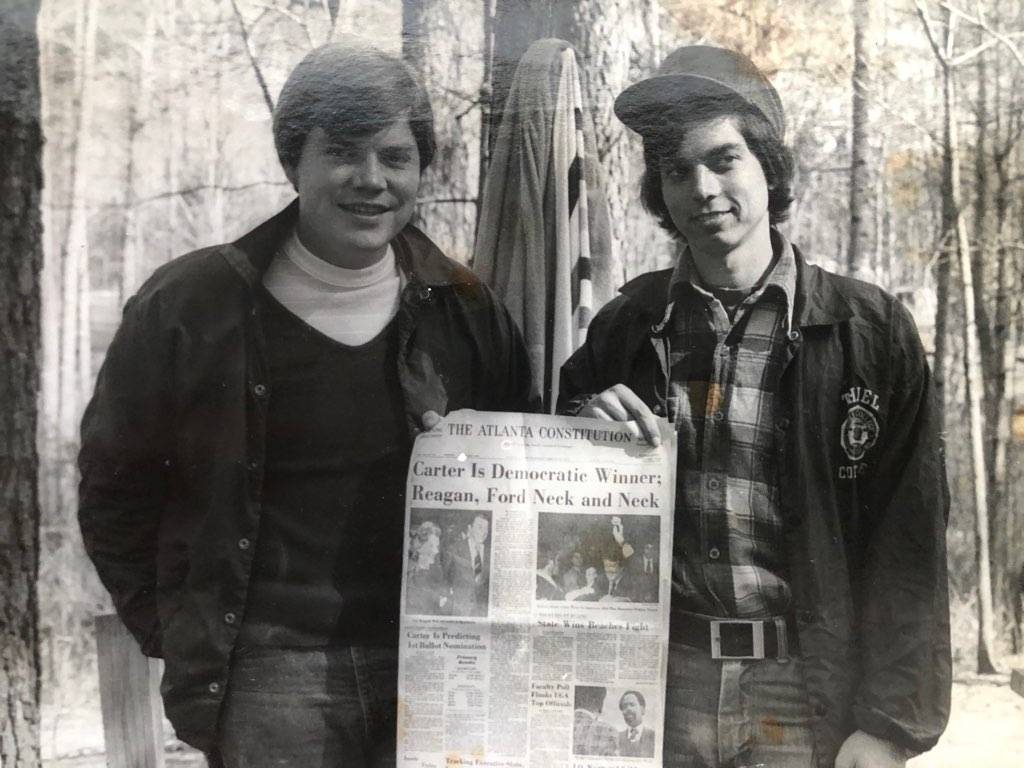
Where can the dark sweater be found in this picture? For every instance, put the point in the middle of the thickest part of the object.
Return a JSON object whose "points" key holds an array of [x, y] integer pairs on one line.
{"points": [[329, 551]]}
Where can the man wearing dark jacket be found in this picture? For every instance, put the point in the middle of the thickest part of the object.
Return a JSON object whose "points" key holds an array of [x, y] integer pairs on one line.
{"points": [[244, 455], [809, 621]]}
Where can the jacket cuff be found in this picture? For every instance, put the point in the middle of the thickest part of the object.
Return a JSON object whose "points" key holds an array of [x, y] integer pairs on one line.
{"points": [[147, 634], [883, 726], [152, 646]]}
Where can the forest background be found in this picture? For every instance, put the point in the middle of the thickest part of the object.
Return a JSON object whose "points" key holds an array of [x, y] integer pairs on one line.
{"points": [[907, 122]]}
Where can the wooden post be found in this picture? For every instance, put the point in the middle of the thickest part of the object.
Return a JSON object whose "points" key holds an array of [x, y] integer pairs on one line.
{"points": [[130, 697], [1017, 681]]}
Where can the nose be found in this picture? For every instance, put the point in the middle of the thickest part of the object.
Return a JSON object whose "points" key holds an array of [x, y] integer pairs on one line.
{"points": [[704, 183], [370, 173]]}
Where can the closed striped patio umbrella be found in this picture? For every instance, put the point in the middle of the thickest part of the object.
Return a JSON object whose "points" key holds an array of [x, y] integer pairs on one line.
{"points": [[543, 241]]}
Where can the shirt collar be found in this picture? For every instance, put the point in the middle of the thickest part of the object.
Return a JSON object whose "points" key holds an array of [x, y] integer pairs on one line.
{"points": [[781, 277]]}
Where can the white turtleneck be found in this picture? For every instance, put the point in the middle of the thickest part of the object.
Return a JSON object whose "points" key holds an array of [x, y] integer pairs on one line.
{"points": [[351, 306]]}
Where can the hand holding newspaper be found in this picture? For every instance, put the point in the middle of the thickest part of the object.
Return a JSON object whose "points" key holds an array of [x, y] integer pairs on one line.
{"points": [[535, 593]]}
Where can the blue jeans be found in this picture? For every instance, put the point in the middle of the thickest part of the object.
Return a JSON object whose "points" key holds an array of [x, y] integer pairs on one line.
{"points": [[310, 707], [736, 714]]}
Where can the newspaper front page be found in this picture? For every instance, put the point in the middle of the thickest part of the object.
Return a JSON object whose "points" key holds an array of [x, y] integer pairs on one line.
{"points": [[535, 594]]}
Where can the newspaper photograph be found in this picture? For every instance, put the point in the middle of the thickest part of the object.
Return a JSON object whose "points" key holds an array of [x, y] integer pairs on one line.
{"points": [[535, 593]]}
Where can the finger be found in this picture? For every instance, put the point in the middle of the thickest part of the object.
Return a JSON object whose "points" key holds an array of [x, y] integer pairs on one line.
{"points": [[594, 411], [640, 413], [611, 401], [430, 420]]}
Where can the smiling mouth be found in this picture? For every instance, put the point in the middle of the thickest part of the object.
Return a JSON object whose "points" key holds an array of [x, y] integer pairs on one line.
{"points": [[364, 209], [711, 215]]}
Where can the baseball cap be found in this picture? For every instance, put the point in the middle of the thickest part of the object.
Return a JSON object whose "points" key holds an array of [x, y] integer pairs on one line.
{"points": [[693, 72]]}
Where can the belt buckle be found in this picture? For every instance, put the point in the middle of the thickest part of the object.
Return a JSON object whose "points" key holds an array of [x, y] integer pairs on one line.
{"points": [[756, 627]]}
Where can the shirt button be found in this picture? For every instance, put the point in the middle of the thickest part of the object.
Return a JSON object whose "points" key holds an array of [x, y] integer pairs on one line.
{"points": [[713, 484], [213, 687], [260, 390], [719, 416], [244, 544], [229, 618], [713, 553], [793, 335]]}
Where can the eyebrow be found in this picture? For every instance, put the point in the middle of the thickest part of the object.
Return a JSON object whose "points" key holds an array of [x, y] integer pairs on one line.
{"points": [[719, 149]]}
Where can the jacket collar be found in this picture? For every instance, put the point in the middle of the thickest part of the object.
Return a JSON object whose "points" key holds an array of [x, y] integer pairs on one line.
{"points": [[781, 276], [417, 256], [818, 300]]}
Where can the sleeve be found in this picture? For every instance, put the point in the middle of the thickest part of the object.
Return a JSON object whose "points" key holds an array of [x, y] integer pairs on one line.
{"points": [[584, 374], [904, 692], [123, 462], [511, 380]]}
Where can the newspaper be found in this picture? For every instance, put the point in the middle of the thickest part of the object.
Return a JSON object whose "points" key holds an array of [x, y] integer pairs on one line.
{"points": [[535, 594]]}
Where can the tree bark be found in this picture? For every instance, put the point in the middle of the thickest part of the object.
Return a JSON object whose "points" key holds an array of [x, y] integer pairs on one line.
{"points": [[442, 41], [21, 242], [618, 42]]}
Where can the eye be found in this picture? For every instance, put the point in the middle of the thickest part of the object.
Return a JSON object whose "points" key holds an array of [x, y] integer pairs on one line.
{"points": [[347, 153], [397, 158], [723, 162]]}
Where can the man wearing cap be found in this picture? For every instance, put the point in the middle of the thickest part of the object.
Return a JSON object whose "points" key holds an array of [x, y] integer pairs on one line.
{"points": [[244, 455], [809, 613]]}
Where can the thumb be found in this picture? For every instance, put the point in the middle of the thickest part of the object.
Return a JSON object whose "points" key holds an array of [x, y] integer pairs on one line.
{"points": [[430, 420]]}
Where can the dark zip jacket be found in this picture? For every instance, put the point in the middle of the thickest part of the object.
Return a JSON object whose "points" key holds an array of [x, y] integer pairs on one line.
{"points": [[173, 439], [863, 492]]}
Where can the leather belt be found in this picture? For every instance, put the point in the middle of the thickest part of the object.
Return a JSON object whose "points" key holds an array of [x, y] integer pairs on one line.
{"points": [[771, 638]]}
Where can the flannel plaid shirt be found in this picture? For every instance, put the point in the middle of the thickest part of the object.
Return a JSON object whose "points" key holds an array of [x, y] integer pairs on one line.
{"points": [[728, 556]]}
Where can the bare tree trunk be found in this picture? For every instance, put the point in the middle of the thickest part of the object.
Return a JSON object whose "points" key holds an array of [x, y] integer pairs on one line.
{"points": [[441, 39], [972, 370], [75, 349], [21, 241], [214, 144], [947, 235], [955, 238], [861, 172], [620, 43], [139, 111], [174, 119], [1006, 131]]}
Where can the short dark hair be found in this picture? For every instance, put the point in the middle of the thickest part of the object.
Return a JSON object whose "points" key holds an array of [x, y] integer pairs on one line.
{"points": [[665, 129], [639, 697], [613, 554], [590, 697], [350, 90]]}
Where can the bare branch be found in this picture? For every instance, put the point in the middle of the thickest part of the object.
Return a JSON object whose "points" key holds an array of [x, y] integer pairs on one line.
{"points": [[120, 205], [252, 57], [977, 50], [926, 22], [292, 17], [979, 22]]}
